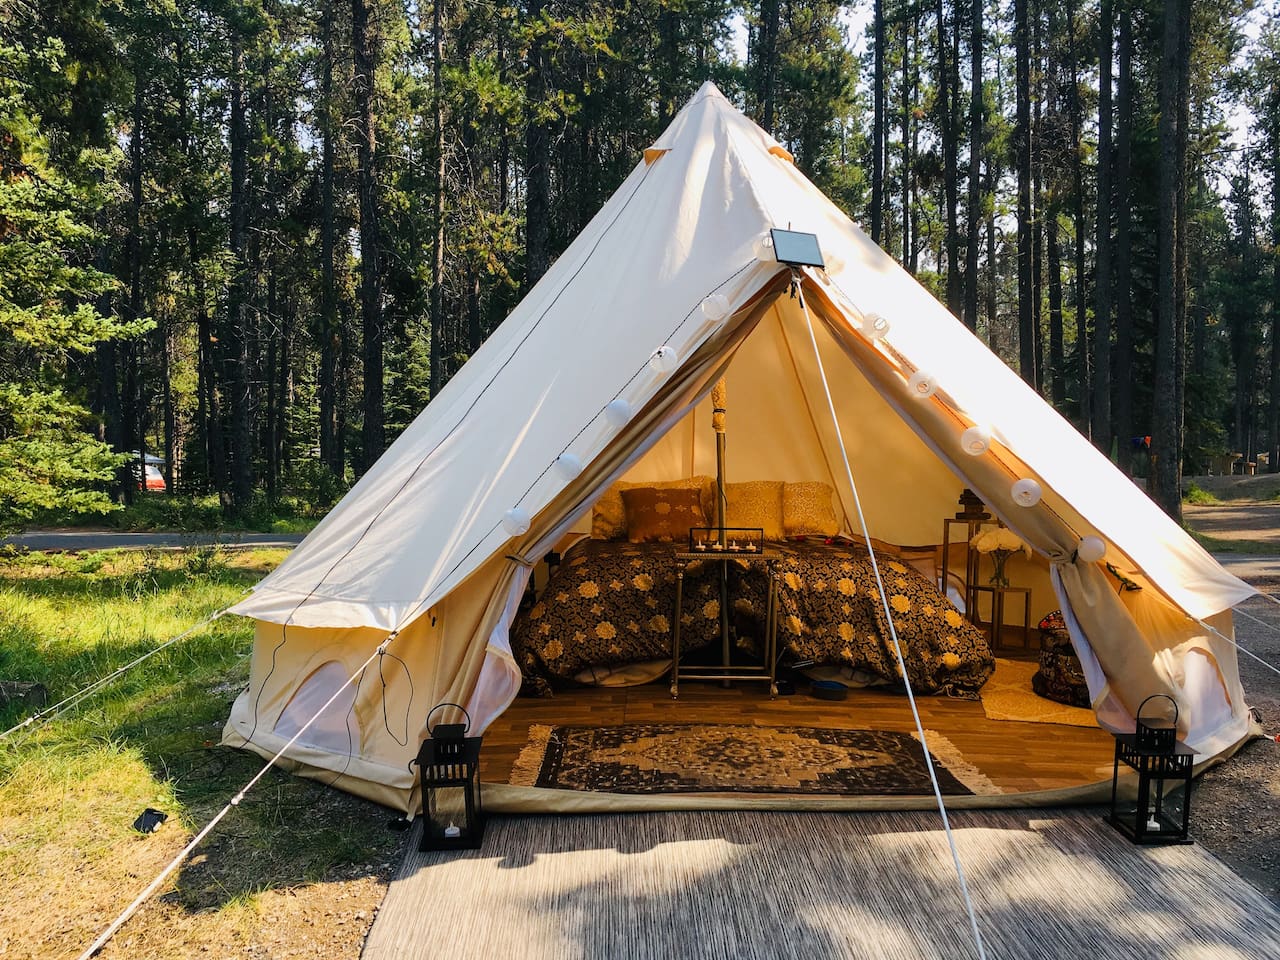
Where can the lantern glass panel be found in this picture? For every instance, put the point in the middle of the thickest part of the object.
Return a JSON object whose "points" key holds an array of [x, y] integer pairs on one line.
{"points": [[447, 813]]}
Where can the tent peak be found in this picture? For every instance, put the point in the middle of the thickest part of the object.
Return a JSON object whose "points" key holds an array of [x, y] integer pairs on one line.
{"points": [[709, 89]]}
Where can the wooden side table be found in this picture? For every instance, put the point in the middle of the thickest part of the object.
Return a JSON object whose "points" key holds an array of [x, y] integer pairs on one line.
{"points": [[998, 595], [727, 670]]}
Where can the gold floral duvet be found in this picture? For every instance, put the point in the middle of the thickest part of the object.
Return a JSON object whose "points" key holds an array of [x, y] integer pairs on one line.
{"points": [[830, 613], [610, 603]]}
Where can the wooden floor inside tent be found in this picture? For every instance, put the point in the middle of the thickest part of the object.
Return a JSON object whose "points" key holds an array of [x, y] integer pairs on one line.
{"points": [[1019, 758]]}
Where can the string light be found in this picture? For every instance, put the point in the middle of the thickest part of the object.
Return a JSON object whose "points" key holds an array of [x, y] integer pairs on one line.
{"points": [[715, 307], [516, 521], [664, 359], [1091, 549], [976, 441], [875, 326], [922, 385], [568, 466], [1025, 492], [618, 413], [763, 247]]}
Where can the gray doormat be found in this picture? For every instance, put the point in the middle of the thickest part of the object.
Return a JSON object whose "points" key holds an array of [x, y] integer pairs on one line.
{"points": [[1046, 883]]}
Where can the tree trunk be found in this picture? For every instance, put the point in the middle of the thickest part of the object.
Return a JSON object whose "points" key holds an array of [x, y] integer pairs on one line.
{"points": [[170, 413], [878, 138], [1057, 352], [993, 267], [537, 209], [437, 202], [1079, 297], [1122, 390], [284, 396], [1037, 195], [1101, 412], [1181, 292], [975, 168], [328, 333], [1164, 421], [131, 408], [668, 64], [1022, 138], [947, 129], [236, 335], [765, 63], [364, 48], [907, 241]]}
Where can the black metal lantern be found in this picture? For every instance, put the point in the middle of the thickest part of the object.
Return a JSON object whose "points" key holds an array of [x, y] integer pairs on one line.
{"points": [[449, 766], [1163, 763]]}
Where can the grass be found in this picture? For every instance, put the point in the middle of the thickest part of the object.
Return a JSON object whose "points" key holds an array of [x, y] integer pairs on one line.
{"points": [[70, 790], [1199, 496]]}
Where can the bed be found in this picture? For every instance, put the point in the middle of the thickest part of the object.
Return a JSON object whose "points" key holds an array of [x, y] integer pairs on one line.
{"points": [[604, 616]]}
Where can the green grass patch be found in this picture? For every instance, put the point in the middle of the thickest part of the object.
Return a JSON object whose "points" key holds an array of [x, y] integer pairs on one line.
{"points": [[1199, 496], [70, 789]]}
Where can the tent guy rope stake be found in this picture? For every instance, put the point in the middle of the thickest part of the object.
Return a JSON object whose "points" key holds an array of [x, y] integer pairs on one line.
{"points": [[893, 632]]}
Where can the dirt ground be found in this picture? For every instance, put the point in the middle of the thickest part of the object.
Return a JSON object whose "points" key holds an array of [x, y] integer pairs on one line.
{"points": [[1235, 809]]}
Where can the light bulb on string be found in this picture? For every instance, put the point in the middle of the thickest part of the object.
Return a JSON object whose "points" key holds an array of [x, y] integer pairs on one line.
{"points": [[1025, 492], [763, 247], [516, 521], [715, 307], [922, 385], [568, 466], [664, 359], [1091, 549], [976, 441], [875, 326], [618, 413]]}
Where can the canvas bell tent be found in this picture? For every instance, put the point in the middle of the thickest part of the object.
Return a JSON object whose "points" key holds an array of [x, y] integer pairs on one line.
{"points": [[604, 372]]}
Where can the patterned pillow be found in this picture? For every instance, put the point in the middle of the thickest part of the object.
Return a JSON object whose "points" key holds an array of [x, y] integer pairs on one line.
{"points": [[609, 516], [807, 510], [757, 503], [662, 514]]}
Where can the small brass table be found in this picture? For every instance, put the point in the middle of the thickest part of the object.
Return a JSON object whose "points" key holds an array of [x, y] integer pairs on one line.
{"points": [[727, 670], [997, 612]]}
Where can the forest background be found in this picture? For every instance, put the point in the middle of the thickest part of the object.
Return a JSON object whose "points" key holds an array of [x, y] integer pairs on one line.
{"points": [[255, 237]]}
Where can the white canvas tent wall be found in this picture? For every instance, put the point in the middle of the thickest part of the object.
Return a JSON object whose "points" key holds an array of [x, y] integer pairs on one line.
{"points": [[418, 550]]}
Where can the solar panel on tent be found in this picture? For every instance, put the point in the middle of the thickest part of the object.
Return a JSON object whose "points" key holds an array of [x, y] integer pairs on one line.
{"points": [[797, 249]]}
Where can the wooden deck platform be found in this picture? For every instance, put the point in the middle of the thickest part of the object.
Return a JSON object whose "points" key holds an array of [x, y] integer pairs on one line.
{"points": [[1017, 757]]}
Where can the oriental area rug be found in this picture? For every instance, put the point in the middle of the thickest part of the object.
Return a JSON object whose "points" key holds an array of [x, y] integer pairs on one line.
{"points": [[648, 758]]}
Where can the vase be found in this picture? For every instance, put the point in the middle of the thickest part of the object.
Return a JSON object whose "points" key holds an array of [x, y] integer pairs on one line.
{"points": [[998, 558]]}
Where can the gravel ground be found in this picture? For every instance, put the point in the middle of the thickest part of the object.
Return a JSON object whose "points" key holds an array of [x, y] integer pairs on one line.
{"points": [[1235, 809]]}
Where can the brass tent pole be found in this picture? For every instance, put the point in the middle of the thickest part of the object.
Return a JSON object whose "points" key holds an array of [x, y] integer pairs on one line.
{"points": [[719, 401]]}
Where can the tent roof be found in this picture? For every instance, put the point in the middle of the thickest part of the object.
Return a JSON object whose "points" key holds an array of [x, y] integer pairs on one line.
{"points": [[682, 227]]}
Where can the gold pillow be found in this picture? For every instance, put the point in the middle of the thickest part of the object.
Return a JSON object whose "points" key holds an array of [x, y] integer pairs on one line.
{"points": [[807, 510], [609, 516], [662, 514], [757, 503]]}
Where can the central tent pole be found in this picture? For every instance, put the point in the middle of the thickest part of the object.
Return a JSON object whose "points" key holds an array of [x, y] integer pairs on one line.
{"points": [[719, 402]]}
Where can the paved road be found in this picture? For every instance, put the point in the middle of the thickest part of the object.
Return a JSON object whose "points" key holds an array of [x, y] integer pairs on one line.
{"points": [[116, 540]]}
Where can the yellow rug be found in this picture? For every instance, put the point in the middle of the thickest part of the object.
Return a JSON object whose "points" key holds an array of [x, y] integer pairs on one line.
{"points": [[1008, 696]]}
